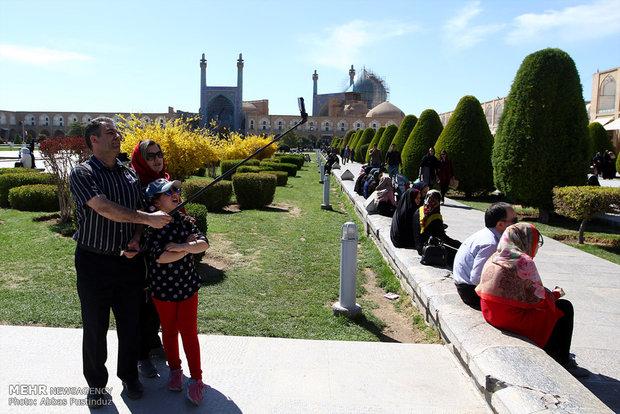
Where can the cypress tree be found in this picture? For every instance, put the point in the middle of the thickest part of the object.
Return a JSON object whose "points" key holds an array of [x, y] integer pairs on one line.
{"points": [[364, 140], [355, 138], [347, 138], [468, 142], [403, 132], [386, 139], [599, 139], [542, 136], [375, 140], [423, 136]]}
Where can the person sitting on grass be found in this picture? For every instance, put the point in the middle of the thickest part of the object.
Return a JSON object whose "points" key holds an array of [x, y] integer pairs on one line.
{"points": [[174, 284], [513, 298]]}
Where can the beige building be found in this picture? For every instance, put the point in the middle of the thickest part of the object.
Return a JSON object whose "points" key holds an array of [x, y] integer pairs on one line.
{"points": [[605, 105]]}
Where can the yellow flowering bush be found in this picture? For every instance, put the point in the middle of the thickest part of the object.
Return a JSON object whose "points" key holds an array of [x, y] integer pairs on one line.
{"points": [[186, 149], [237, 147]]}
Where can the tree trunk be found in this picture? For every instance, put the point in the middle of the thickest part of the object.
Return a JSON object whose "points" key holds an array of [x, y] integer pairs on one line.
{"points": [[543, 216], [582, 227]]}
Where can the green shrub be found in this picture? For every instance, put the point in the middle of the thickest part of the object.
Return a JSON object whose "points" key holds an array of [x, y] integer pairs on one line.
{"points": [[423, 136], [17, 170], [542, 137], [400, 139], [228, 164], [468, 142], [618, 164], [365, 139], [347, 137], [386, 139], [249, 169], [375, 140], [291, 169], [364, 149], [284, 148], [214, 198], [254, 190], [8, 181], [199, 213], [35, 197], [599, 139], [355, 139], [293, 159], [584, 202], [281, 177]]}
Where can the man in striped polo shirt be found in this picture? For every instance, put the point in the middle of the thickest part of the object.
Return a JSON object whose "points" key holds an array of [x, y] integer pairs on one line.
{"points": [[108, 203]]}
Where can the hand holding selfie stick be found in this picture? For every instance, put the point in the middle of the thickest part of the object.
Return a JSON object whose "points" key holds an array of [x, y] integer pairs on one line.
{"points": [[304, 118]]}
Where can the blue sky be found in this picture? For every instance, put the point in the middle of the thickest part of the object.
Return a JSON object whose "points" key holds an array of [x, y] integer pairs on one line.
{"points": [[143, 56]]}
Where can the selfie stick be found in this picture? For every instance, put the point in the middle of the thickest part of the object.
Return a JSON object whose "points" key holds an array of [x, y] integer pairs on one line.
{"points": [[304, 118]]}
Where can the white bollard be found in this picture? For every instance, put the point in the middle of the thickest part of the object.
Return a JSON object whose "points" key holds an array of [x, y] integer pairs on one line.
{"points": [[321, 172], [348, 272], [326, 205]]}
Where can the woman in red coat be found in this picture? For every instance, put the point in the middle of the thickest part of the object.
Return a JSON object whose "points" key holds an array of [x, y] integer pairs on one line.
{"points": [[445, 173], [512, 296]]}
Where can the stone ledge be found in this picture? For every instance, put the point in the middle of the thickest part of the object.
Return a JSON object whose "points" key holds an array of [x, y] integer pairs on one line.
{"points": [[513, 374]]}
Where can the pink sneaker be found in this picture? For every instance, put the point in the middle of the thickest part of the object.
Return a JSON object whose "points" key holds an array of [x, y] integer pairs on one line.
{"points": [[175, 380], [194, 390]]}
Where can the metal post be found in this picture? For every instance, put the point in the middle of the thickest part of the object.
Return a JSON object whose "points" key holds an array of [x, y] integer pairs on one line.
{"points": [[326, 205], [348, 272], [321, 172]]}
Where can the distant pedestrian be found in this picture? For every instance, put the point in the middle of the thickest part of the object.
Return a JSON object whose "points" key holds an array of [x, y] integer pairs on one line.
{"points": [[375, 157], [393, 161], [445, 173], [429, 168]]}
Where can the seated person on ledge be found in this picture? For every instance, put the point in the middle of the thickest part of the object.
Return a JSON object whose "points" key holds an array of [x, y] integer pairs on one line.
{"points": [[429, 223], [477, 248], [513, 298]]}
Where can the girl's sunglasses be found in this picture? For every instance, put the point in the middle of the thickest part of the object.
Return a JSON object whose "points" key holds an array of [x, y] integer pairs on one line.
{"points": [[173, 190], [150, 156]]}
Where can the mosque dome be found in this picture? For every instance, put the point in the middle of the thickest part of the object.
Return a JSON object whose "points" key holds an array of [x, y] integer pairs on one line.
{"points": [[372, 88], [385, 110]]}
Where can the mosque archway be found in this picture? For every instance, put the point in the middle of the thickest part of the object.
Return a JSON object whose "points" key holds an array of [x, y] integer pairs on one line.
{"points": [[222, 111]]}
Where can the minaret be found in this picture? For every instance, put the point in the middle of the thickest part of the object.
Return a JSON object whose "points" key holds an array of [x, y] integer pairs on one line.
{"points": [[315, 78], [351, 75], [239, 103], [203, 92]]}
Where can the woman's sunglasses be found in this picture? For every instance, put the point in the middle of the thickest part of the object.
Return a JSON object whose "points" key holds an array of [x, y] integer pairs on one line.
{"points": [[150, 156]]}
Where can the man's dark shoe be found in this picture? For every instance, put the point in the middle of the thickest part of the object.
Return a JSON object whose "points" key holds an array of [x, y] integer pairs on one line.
{"points": [[133, 389], [147, 369], [96, 400], [158, 353]]}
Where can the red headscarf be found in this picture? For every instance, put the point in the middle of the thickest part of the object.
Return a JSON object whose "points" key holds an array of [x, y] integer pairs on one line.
{"points": [[145, 173]]}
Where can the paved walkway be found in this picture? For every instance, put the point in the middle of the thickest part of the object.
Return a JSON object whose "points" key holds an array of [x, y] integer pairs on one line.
{"points": [[246, 375], [592, 285]]}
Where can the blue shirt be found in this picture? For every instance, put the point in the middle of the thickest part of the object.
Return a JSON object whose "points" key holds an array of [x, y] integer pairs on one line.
{"points": [[473, 254]]}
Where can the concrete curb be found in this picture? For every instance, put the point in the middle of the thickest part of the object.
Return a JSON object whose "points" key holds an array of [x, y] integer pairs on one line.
{"points": [[514, 375]]}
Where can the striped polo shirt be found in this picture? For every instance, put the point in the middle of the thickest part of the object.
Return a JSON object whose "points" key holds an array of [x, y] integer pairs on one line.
{"points": [[118, 184]]}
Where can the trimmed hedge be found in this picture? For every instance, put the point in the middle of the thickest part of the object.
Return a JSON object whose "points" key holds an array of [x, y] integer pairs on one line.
{"points": [[386, 139], [365, 139], [8, 181], [364, 150], [584, 202], [375, 140], [400, 139], [291, 169], [423, 136], [15, 170], [254, 190], [281, 177], [199, 213], [542, 139], [228, 164], [469, 143], [214, 198], [599, 139], [36, 197], [249, 169], [293, 159]]}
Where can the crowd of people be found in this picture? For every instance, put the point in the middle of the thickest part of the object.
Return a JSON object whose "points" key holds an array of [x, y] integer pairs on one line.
{"points": [[493, 269]]}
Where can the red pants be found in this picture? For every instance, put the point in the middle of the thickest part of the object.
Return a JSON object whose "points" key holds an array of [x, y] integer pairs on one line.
{"points": [[180, 317]]}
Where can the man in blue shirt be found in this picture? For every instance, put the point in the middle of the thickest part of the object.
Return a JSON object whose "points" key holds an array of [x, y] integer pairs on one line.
{"points": [[477, 248]]}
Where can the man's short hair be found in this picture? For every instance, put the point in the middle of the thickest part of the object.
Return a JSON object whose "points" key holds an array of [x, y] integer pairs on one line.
{"points": [[496, 212], [94, 128]]}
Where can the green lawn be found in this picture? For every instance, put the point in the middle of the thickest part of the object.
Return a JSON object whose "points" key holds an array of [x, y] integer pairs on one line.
{"points": [[602, 240], [282, 270]]}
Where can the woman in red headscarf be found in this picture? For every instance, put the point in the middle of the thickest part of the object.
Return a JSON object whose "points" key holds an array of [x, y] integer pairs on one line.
{"points": [[147, 160], [512, 296]]}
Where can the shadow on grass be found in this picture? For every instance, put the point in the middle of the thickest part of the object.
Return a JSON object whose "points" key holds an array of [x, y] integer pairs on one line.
{"points": [[371, 327], [210, 275], [64, 229]]}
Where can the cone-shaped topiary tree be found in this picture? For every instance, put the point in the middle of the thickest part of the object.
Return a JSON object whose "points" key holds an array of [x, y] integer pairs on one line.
{"points": [[354, 139], [386, 139], [403, 131], [542, 137], [423, 136], [468, 142], [364, 140], [375, 140], [347, 138], [599, 139]]}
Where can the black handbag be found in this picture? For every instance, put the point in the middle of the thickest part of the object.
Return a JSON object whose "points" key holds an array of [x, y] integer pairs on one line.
{"points": [[434, 255]]}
